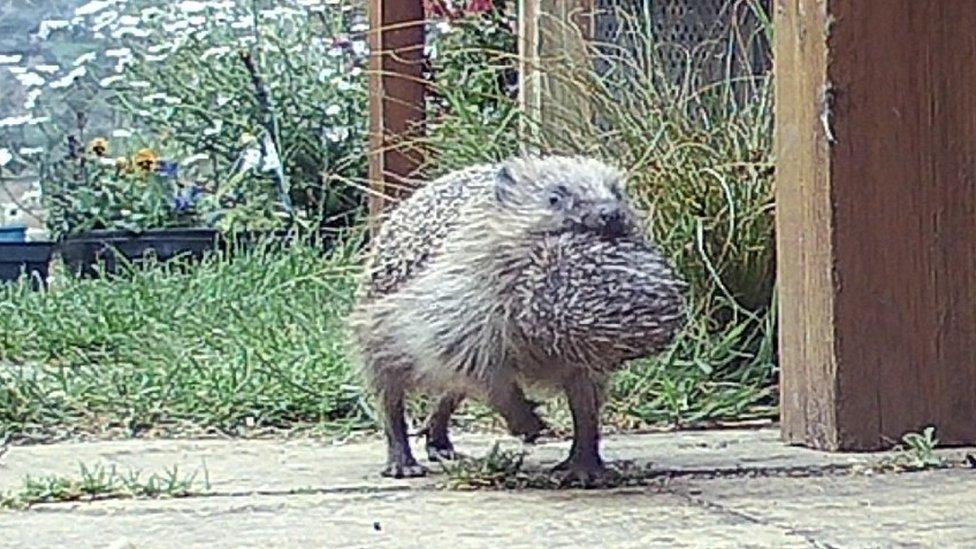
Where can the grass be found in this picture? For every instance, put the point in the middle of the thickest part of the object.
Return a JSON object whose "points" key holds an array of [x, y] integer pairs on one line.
{"points": [[233, 345], [101, 483]]}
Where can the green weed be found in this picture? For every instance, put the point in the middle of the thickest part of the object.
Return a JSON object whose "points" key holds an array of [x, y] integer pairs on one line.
{"points": [[100, 483]]}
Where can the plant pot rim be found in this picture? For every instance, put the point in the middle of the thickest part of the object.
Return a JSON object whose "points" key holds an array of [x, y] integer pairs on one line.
{"points": [[126, 233], [30, 244]]}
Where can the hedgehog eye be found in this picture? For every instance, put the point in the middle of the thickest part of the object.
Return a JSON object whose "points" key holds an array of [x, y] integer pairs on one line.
{"points": [[558, 195]]}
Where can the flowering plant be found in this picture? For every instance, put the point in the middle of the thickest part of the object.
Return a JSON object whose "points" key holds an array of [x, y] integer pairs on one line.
{"points": [[90, 187], [472, 50]]}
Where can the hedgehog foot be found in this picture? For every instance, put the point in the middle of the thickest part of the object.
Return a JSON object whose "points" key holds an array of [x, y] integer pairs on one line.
{"points": [[442, 451], [400, 462], [439, 447], [528, 427], [585, 473], [407, 469]]}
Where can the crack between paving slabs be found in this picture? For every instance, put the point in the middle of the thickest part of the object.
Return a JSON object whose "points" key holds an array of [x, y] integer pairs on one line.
{"points": [[72, 506], [746, 517]]}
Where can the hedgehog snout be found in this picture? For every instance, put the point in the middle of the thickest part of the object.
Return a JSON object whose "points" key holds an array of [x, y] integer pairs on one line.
{"points": [[607, 219]]}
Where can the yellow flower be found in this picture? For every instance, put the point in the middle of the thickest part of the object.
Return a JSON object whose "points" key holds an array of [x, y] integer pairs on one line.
{"points": [[145, 159], [122, 164], [98, 146], [246, 139]]}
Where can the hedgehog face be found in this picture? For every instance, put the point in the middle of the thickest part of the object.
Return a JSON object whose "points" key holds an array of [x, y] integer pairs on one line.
{"points": [[561, 194]]}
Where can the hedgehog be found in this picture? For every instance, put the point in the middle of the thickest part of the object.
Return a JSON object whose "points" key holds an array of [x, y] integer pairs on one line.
{"points": [[532, 272]]}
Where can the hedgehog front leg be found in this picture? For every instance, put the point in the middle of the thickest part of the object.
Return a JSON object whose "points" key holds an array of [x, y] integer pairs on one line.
{"points": [[584, 462], [400, 461], [439, 446]]}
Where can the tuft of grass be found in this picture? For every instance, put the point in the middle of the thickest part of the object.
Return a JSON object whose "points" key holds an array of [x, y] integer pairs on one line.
{"points": [[101, 483], [917, 452], [502, 469]]}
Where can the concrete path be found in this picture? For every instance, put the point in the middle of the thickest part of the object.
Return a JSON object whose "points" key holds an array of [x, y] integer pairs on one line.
{"points": [[726, 488]]}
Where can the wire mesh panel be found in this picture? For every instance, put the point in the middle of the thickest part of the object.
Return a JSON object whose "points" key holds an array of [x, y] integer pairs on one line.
{"points": [[713, 38]]}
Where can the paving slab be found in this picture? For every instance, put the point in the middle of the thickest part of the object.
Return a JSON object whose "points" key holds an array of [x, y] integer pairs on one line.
{"points": [[922, 509], [725, 488], [395, 519]]}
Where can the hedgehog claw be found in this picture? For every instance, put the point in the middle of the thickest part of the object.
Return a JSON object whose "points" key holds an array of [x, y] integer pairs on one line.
{"points": [[404, 470], [440, 453]]}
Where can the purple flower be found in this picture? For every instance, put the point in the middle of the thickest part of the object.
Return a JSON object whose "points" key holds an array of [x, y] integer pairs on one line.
{"points": [[166, 168], [186, 199]]}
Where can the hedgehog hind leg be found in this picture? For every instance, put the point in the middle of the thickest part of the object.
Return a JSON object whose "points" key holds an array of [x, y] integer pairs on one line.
{"points": [[439, 445], [508, 399], [390, 387], [400, 462]]}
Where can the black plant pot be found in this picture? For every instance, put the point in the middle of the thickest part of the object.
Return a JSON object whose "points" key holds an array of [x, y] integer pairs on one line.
{"points": [[25, 258], [87, 254]]}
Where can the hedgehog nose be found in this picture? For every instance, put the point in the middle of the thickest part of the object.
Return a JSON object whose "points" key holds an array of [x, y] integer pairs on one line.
{"points": [[612, 220]]}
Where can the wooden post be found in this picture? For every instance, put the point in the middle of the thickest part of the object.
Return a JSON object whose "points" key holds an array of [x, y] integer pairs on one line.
{"points": [[551, 32], [876, 220], [396, 98]]}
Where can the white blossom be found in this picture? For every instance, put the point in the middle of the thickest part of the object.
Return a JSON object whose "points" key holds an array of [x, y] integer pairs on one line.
{"points": [[121, 133], [5, 157], [215, 52], [149, 13], [14, 121], [47, 69], [47, 26], [69, 78], [191, 6], [333, 110], [118, 52], [30, 151], [85, 58], [30, 79], [10, 59], [93, 7], [193, 159], [134, 31], [104, 20], [337, 134], [32, 97]]}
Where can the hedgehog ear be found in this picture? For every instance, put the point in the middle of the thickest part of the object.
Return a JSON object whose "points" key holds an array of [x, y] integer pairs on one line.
{"points": [[505, 184]]}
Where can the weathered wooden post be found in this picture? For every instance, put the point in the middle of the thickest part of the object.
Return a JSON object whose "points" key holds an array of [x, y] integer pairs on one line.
{"points": [[876, 220], [551, 32], [396, 98]]}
